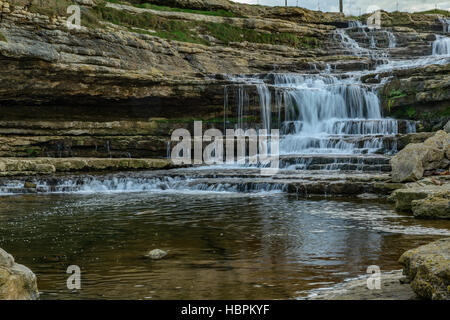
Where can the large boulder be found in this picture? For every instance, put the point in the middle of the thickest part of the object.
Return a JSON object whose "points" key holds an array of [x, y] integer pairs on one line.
{"points": [[17, 282], [410, 163], [416, 158], [405, 197], [433, 207], [428, 269]]}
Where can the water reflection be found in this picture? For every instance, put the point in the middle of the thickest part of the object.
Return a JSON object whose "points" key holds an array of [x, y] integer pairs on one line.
{"points": [[221, 246]]}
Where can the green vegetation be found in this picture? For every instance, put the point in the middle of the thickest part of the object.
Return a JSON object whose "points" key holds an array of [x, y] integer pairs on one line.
{"points": [[32, 152], [219, 13], [436, 11], [3, 38], [227, 33], [164, 28], [395, 94], [190, 31], [51, 7], [418, 114]]}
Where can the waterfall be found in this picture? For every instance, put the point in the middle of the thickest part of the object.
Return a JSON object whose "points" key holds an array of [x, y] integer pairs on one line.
{"points": [[265, 103], [325, 114], [349, 43], [392, 39], [441, 46], [331, 115], [445, 25]]}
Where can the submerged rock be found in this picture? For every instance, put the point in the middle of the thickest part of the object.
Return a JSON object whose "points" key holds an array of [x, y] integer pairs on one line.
{"points": [[17, 282], [156, 254], [428, 269]]}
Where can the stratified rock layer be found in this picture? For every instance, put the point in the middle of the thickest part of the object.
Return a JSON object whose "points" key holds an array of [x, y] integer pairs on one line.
{"points": [[21, 167]]}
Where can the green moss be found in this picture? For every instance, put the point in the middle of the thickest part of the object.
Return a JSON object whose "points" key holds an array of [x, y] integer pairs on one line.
{"points": [[32, 152], [392, 96], [219, 13], [436, 11], [395, 94], [191, 31], [51, 7], [227, 34], [417, 114], [164, 28], [3, 38]]}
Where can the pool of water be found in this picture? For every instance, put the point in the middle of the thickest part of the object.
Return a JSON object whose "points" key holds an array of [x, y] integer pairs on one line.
{"points": [[220, 245]]}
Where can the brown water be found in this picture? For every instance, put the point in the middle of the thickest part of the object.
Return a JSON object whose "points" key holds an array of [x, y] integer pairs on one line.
{"points": [[221, 245]]}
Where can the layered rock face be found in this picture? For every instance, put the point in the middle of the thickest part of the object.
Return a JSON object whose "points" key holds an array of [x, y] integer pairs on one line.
{"points": [[428, 270], [128, 65], [17, 282]]}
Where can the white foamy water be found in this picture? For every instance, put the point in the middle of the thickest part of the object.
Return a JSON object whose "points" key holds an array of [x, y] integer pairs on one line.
{"points": [[441, 46], [325, 114]]}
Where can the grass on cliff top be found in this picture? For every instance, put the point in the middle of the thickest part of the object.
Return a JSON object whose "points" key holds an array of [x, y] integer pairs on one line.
{"points": [[191, 31], [436, 11], [219, 13]]}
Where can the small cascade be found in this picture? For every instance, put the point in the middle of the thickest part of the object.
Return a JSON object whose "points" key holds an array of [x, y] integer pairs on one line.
{"points": [[349, 43], [326, 114], [445, 25], [360, 40], [392, 39], [116, 183], [266, 104], [441, 46]]}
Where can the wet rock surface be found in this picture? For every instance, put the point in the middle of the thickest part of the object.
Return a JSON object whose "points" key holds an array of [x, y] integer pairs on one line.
{"points": [[17, 282], [156, 254], [391, 288]]}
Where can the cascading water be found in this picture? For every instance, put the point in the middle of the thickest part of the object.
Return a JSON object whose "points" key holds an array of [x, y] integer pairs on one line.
{"points": [[441, 46], [334, 114], [327, 114], [445, 25]]}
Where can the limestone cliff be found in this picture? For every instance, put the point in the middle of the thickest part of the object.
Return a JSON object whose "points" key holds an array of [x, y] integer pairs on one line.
{"points": [[163, 61]]}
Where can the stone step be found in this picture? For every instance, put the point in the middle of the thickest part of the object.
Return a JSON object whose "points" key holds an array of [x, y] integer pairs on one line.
{"points": [[364, 163], [359, 126], [198, 179]]}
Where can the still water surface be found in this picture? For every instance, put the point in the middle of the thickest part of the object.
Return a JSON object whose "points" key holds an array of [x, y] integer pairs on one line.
{"points": [[221, 245]]}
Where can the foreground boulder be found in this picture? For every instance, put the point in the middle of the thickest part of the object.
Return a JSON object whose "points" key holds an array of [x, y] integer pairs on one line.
{"points": [[428, 270], [416, 158], [408, 198], [17, 282], [433, 207]]}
